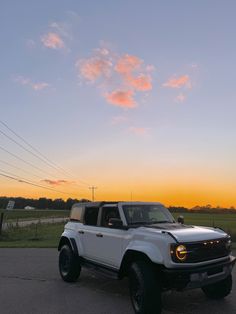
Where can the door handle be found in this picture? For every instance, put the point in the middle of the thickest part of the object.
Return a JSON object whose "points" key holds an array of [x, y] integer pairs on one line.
{"points": [[99, 235], [81, 232]]}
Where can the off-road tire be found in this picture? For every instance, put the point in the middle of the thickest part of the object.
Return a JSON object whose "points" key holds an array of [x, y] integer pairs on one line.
{"points": [[69, 265], [145, 290], [219, 290]]}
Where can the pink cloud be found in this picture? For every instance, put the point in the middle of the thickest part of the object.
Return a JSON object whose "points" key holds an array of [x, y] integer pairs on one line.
{"points": [[121, 98], [140, 83], [180, 98], [178, 82], [56, 182], [124, 75], [127, 64], [93, 68], [23, 80], [39, 86], [36, 86], [52, 41], [139, 131]]}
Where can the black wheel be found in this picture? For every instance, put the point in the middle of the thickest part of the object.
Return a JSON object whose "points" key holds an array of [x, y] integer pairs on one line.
{"points": [[220, 289], [145, 291], [69, 265]]}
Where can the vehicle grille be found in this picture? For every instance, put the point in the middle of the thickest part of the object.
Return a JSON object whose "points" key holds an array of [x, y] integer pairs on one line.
{"points": [[205, 250]]}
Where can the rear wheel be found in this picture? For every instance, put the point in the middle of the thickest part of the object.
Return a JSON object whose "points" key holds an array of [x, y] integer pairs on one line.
{"points": [[220, 289], [69, 265], [145, 291]]}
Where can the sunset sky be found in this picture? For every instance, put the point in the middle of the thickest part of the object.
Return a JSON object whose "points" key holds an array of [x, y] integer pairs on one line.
{"points": [[137, 98]]}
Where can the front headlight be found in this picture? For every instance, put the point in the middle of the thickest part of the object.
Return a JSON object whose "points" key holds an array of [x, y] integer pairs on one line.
{"points": [[181, 252]]}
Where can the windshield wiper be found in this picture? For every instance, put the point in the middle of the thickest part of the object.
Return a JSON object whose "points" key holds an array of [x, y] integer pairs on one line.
{"points": [[161, 222], [139, 223], [151, 222]]}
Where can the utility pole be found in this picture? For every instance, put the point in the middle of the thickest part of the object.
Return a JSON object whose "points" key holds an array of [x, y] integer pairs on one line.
{"points": [[93, 188]]}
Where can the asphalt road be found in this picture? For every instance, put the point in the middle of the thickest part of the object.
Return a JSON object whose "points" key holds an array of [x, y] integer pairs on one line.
{"points": [[30, 284]]}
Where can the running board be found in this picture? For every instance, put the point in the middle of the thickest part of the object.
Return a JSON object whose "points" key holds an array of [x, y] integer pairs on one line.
{"points": [[98, 268]]}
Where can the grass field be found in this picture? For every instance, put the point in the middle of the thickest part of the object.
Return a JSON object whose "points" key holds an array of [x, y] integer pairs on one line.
{"points": [[224, 221], [39, 235]]}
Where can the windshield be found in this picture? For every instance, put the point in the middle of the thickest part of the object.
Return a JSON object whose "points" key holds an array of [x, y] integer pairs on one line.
{"points": [[147, 214]]}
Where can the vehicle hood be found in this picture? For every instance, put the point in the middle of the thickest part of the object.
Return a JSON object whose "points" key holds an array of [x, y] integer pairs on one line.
{"points": [[185, 233]]}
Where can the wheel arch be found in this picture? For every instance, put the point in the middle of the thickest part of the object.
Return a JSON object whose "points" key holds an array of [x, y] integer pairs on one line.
{"points": [[131, 256], [70, 242]]}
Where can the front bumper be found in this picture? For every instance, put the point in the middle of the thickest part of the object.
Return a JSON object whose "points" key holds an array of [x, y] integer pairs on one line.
{"points": [[196, 277]]}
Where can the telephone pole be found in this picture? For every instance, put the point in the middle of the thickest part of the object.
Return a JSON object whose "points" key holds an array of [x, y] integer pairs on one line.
{"points": [[93, 188]]}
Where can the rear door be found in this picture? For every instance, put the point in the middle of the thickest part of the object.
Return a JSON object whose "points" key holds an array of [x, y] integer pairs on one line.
{"points": [[87, 233], [101, 243]]}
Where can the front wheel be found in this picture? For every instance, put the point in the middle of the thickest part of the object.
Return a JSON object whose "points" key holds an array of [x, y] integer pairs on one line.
{"points": [[145, 291], [219, 290], [69, 265]]}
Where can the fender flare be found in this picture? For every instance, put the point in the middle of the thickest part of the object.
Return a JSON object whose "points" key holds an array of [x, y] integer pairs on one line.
{"points": [[149, 249], [71, 241]]}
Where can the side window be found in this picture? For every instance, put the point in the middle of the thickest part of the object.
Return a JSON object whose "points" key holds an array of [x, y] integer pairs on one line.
{"points": [[107, 214], [91, 216], [75, 214]]}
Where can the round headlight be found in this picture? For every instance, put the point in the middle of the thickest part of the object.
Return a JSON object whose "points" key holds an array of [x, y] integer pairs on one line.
{"points": [[181, 252]]}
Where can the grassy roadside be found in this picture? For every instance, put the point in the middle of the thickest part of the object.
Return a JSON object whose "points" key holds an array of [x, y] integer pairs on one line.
{"points": [[33, 236]]}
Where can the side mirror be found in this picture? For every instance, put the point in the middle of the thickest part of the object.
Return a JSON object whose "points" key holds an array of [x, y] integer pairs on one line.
{"points": [[115, 223], [181, 220]]}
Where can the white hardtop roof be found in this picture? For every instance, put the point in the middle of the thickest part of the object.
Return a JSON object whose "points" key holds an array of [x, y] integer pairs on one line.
{"points": [[116, 202]]}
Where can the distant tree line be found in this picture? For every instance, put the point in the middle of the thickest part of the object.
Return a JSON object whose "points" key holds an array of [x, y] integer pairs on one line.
{"points": [[203, 209], [58, 203], [41, 203]]}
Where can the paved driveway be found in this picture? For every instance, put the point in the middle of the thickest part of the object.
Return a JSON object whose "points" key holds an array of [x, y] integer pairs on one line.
{"points": [[30, 284]]}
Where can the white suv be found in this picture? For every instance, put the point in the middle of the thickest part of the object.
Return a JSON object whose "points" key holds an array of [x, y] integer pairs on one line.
{"points": [[142, 240]]}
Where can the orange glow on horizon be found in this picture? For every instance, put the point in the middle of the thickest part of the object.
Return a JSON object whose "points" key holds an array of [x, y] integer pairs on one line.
{"points": [[170, 194]]}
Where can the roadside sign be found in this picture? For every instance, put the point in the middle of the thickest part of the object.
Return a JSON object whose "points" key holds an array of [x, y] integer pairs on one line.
{"points": [[10, 205]]}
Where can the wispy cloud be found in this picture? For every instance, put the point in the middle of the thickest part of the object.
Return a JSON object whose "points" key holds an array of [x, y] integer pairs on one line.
{"points": [[62, 28], [120, 76], [52, 41], [30, 43], [178, 82], [119, 120], [37, 86], [180, 98], [139, 131], [56, 182], [60, 33]]}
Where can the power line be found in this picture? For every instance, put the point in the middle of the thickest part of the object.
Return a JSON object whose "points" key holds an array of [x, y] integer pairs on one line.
{"points": [[26, 162], [44, 159], [18, 168], [26, 181], [26, 149]]}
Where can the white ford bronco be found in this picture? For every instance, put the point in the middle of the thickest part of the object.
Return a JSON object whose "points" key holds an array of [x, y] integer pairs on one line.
{"points": [[142, 240]]}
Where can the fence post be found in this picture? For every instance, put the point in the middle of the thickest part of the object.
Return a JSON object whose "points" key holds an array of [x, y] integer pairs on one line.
{"points": [[1, 222]]}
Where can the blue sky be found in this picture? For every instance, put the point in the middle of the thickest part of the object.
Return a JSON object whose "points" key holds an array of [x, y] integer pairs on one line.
{"points": [[163, 129]]}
